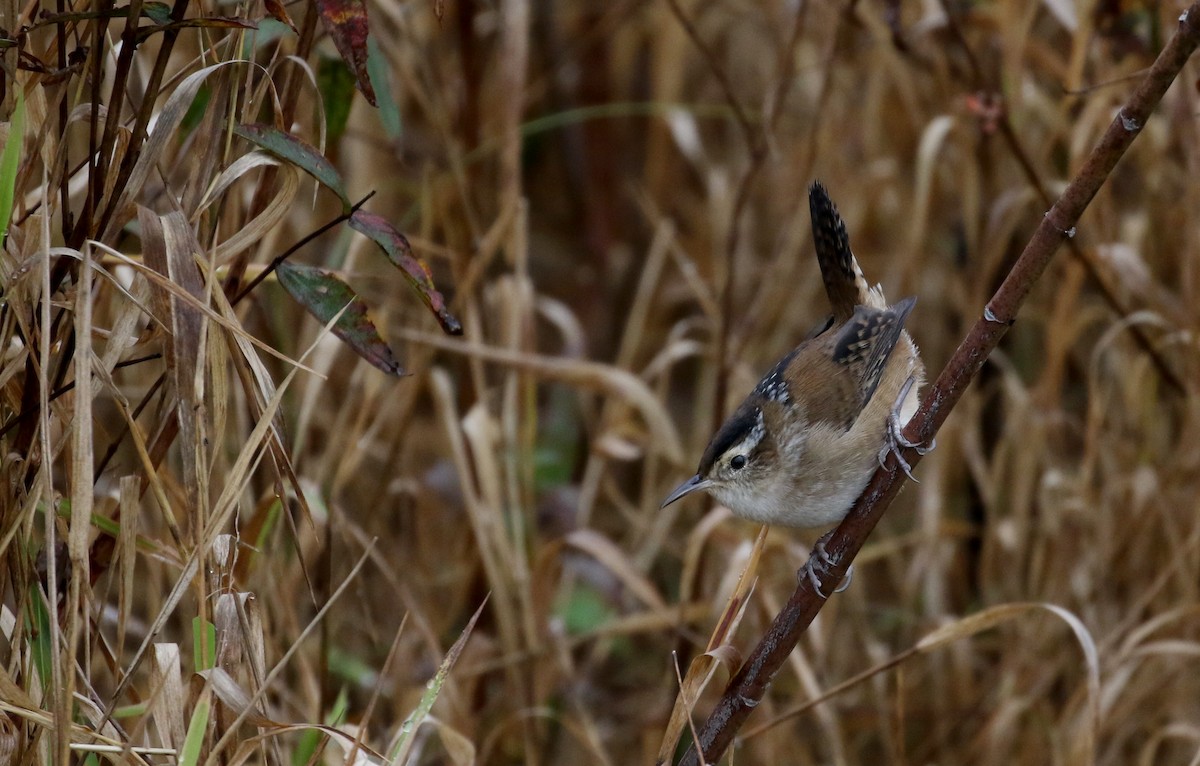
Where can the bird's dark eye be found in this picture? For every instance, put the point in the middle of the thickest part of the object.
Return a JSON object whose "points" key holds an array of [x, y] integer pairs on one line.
{"points": [[738, 462]]}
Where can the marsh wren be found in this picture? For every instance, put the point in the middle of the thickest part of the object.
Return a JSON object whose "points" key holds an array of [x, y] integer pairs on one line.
{"points": [[801, 447]]}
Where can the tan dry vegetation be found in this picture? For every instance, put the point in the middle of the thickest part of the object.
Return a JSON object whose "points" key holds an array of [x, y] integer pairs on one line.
{"points": [[571, 173]]}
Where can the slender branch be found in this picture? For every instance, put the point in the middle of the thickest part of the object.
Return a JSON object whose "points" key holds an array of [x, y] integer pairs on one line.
{"points": [[749, 685], [751, 135], [279, 259]]}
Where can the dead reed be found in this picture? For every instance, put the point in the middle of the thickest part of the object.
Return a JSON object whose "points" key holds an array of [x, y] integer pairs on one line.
{"points": [[226, 538]]}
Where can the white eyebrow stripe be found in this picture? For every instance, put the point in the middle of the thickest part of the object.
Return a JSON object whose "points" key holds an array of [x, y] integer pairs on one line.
{"points": [[752, 439]]}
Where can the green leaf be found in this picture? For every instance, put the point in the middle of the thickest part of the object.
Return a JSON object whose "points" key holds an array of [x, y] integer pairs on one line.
{"points": [[310, 739], [291, 149], [583, 610], [389, 110], [197, 728], [400, 253], [352, 668], [111, 528], [204, 644], [336, 84], [41, 643], [262, 542], [159, 13], [10, 162], [122, 712], [556, 452], [269, 31], [323, 295], [195, 112]]}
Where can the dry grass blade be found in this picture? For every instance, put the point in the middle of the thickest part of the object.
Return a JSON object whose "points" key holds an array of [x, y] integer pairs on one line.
{"points": [[223, 508], [994, 616], [717, 653], [170, 701], [610, 380], [687, 706], [246, 710], [610, 197], [965, 628], [233, 696], [171, 249], [227, 324], [260, 227], [81, 472], [166, 123]]}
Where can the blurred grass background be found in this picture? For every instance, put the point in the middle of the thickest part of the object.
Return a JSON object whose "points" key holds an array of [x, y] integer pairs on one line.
{"points": [[606, 202]]}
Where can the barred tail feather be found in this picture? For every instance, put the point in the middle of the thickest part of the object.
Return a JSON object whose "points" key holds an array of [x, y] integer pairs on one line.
{"points": [[845, 283]]}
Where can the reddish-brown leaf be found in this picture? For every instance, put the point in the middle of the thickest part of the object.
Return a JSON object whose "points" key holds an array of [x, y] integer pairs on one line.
{"points": [[304, 156], [276, 11], [400, 253], [323, 295], [346, 22]]}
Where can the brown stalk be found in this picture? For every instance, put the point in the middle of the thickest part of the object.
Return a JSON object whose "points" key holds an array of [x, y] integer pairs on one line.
{"points": [[99, 147], [757, 144], [116, 106], [1083, 257], [145, 112], [83, 223], [749, 685]]}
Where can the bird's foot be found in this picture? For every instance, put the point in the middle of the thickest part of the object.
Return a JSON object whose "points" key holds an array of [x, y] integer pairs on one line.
{"points": [[820, 561], [895, 440]]}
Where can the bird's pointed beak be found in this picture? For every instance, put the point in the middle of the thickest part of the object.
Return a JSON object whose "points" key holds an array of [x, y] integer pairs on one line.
{"points": [[686, 488]]}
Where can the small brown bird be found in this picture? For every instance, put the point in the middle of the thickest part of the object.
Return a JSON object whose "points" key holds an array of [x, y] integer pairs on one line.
{"points": [[802, 446]]}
